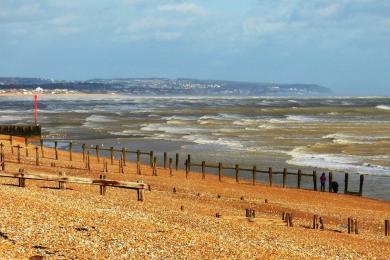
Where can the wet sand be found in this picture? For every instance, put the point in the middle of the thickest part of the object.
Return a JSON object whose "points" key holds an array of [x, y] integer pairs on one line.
{"points": [[79, 223]]}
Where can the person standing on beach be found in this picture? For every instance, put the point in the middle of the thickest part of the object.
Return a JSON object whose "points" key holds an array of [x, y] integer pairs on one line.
{"points": [[323, 180]]}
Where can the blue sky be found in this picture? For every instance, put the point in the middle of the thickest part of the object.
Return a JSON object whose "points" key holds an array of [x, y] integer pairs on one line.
{"points": [[344, 45]]}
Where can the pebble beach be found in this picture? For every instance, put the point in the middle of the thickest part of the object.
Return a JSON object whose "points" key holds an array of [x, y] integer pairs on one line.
{"points": [[178, 217]]}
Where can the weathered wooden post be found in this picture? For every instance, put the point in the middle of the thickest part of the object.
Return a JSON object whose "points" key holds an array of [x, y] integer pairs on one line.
{"points": [[387, 228], [120, 165], [254, 175], [124, 156], [352, 226], [330, 181], [97, 153], [11, 143], [237, 171], [21, 179], [155, 166], [165, 159], [177, 161], [315, 180], [88, 162], [83, 148], [138, 156], [102, 186], [36, 156], [139, 168], [18, 153], [61, 184], [42, 152], [346, 183], [140, 192], [270, 176], [284, 177], [361, 185], [220, 171], [26, 145], [315, 224], [56, 149], [189, 162], [203, 170], [170, 166], [299, 178], [112, 155], [151, 158], [186, 166], [70, 151], [321, 223], [2, 151]]}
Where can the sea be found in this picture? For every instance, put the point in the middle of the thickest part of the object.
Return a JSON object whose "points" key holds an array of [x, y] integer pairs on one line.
{"points": [[337, 134]]}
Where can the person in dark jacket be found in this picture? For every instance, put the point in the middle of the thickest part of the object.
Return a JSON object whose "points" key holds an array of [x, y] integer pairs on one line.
{"points": [[335, 186], [323, 181]]}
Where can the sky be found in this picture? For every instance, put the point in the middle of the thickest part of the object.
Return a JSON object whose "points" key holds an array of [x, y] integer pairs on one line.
{"points": [[340, 44]]}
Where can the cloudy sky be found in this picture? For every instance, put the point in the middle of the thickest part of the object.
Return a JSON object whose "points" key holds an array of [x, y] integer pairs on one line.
{"points": [[344, 44]]}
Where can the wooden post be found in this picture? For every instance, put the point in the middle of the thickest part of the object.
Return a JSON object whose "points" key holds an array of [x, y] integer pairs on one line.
{"points": [[177, 161], [165, 159], [189, 162], [36, 156], [346, 183], [315, 180], [124, 156], [321, 223], [284, 177], [120, 165], [270, 176], [56, 149], [151, 158], [186, 166], [102, 186], [70, 151], [83, 148], [97, 153], [170, 167], [237, 171], [61, 184], [138, 156], [42, 152], [138, 168], [330, 181], [203, 170], [18, 153], [26, 145], [315, 224], [112, 155], [88, 162], [254, 175], [220, 171], [11, 143], [21, 180], [155, 166], [299, 178], [140, 192], [387, 228], [361, 185]]}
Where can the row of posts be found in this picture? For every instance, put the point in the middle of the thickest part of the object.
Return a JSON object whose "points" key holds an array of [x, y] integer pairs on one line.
{"points": [[168, 164]]}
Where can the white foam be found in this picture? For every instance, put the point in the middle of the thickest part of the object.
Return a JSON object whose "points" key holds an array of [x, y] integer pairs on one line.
{"points": [[99, 118], [169, 129], [183, 118], [340, 138], [127, 133], [338, 162], [383, 107]]}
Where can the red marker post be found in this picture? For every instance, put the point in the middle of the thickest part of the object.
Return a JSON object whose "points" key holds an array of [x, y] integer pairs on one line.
{"points": [[36, 109]]}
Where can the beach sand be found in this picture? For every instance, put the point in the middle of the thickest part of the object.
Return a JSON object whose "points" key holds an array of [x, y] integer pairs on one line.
{"points": [[40, 220]]}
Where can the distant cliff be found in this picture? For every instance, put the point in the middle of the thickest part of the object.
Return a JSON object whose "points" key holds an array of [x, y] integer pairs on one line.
{"points": [[163, 86]]}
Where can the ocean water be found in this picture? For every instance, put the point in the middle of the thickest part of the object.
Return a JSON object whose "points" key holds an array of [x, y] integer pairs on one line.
{"points": [[338, 134]]}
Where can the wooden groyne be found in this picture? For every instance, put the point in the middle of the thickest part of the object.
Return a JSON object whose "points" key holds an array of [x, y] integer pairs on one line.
{"points": [[170, 163], [21, 130]]}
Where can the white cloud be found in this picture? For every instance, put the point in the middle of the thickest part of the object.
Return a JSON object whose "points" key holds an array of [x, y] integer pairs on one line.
{"points": [[186, 8]]}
